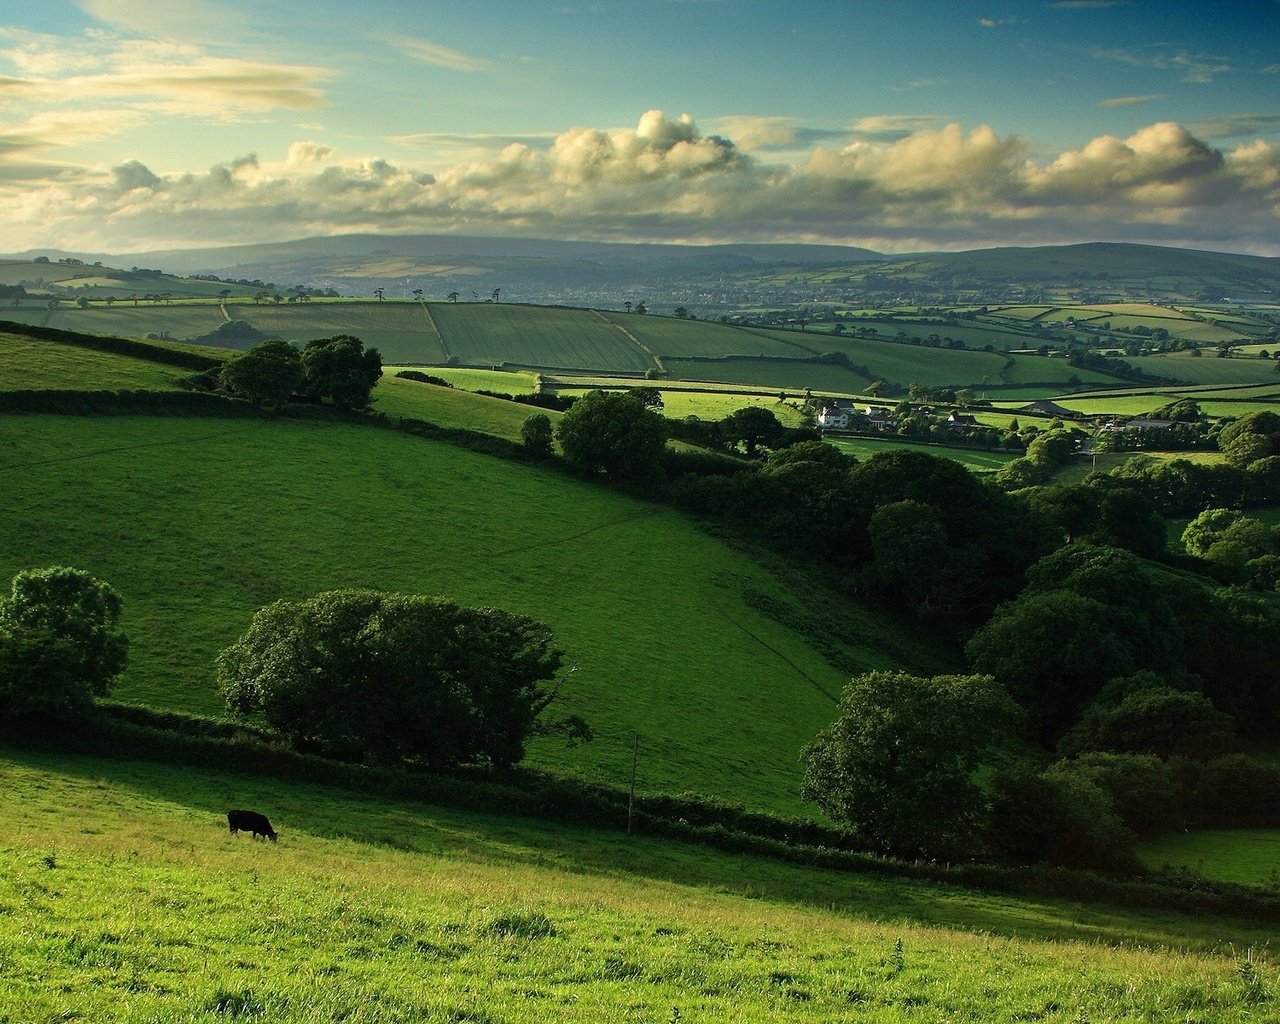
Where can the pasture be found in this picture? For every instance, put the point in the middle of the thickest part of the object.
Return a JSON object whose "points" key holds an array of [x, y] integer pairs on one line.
{"points": [[199, 523], [1251, 856], [482, 334], [126, 900], [972, 458], [39, 365], [452, 407]]}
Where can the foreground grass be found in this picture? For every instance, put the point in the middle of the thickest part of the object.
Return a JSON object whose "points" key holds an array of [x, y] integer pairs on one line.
{"points": [[123, 898], [199, 523]]}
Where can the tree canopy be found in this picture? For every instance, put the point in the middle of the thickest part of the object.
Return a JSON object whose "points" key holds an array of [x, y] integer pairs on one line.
{"points": [[394, 678], [897, 765], [341, 369], [614, 435], [60, 645], [268, 373]]}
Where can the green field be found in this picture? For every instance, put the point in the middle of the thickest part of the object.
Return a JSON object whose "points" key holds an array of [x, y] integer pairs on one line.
{"points": [[489, 334], [126, 900], [1251, 856], [33, 363], [668, 336], [973, 458], [198, 523], [399, 330], [785, 375], [1207, 369], [124, 320], [503, 382], [452, 407]]}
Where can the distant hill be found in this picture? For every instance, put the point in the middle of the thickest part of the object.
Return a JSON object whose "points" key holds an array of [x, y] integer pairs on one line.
{"points": [[1094, 271], [712, 278]]}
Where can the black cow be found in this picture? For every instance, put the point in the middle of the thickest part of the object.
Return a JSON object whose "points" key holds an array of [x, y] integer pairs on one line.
{"points": [[250, 821]]}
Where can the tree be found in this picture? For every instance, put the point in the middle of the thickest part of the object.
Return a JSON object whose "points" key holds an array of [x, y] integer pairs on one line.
{"points": [[627, 306], [393, 678], [379, 292], [417, 294], [681, 313], [536, 435], [60, 645], [897, 766], [269, 373], [341, 369], [614, 435], [754, 427], [496, 293], [452, 296]]}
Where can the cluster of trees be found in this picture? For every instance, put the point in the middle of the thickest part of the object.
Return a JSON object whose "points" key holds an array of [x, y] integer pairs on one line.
{"points": [[274, 372], [397, 679]]}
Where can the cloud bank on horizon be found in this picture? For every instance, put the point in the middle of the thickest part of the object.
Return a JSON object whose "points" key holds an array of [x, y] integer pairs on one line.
{"points": [[101, 130]]}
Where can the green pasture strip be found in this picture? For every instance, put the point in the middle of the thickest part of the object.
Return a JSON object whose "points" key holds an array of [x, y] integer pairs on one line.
{"points": [[452, 407], [32, 363], [1031, 369], [400, 331], [585, 382], [504, 382], [124, 320], [679, 404], [1251, 856], [1104, 462], [972, 458], [482, 334], [1207, 369], [199, 523], [784, 375], [669, 336], [126, 900]]}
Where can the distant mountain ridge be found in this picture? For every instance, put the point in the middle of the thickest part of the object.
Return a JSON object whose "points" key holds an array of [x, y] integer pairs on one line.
{"points": [[714, 278]]}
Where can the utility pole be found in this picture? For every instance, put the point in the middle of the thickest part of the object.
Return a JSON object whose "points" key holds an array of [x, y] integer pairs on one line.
{"points": [[635, 751]]}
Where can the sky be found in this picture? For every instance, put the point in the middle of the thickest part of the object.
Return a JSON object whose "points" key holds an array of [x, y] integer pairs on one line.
{"points": [[913, 125]]}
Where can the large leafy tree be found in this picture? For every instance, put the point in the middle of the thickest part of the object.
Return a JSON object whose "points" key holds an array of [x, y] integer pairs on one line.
{"points": [[268, 373], [341, 369], [60, 645], [394, 678], [897, 766], [614, 435]]}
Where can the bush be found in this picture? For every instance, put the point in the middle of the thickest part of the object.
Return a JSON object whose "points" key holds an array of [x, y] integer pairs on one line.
{"points": [[1155, 720], [396, 678], [60, 645], [424, 378], [535, 434]]}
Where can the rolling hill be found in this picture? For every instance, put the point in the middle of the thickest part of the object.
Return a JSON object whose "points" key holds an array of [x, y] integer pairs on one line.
{"points": [[199, 522]]}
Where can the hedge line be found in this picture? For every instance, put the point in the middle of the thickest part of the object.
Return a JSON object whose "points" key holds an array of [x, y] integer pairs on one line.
{"points": [[119, 346], [123, 730]]}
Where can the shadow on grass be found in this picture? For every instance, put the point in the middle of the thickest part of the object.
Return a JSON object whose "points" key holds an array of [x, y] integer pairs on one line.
{"points": [[301, 811]]}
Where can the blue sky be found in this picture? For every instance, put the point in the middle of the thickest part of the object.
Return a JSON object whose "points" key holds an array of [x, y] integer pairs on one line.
{"points": [[129, 125]]}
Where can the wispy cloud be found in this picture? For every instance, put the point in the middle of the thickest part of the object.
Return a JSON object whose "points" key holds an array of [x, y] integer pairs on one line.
{"points": [[997, 22], [1132, 101], [1197, 68], [1237, 126], [1086, 5], [427, 52], [888, 127]]}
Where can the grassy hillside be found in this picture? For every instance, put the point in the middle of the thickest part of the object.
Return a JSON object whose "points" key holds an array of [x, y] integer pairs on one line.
{"points": [[199, 523], [36, 364], [125, 899], [451, 407]]}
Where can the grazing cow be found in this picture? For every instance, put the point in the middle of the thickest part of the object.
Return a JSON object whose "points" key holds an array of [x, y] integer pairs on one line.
{"points": [[250, 821]]}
